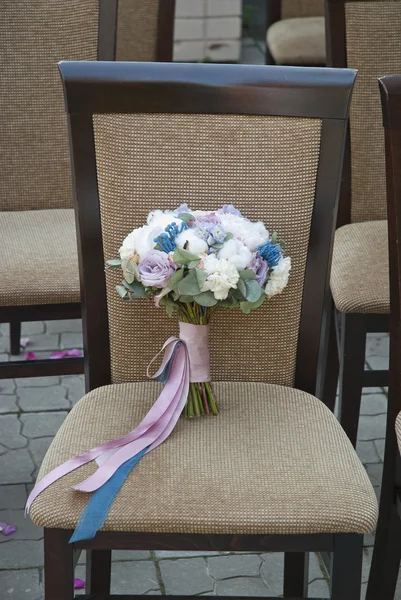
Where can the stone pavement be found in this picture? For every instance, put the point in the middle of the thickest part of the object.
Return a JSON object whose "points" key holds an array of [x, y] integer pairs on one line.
{"points": [[32, 409]]}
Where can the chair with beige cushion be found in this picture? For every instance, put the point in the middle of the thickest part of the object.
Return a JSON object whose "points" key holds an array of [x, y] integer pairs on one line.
{"points": [[38, 263], [274, 471], [296, 32], [363, 36]]}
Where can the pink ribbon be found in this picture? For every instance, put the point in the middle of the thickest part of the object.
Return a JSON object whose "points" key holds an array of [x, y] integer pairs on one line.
{"points": [[196, 338]]}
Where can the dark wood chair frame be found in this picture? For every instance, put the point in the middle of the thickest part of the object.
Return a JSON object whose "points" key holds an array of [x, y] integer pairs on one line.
{"points": [[92, 88], [14, 315], [346, 332], [387, 550]]}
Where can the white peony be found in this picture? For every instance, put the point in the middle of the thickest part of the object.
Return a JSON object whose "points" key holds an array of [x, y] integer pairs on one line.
{"points": [[192, 242], [137, 242], [236, 253], [252, 234], [221, 276], [279, 277]]}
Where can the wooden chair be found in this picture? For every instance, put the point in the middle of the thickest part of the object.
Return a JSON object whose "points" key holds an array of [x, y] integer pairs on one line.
{"points": [[38, 264], [295, 32], [146, 136], [387, 549], [364, 36]]}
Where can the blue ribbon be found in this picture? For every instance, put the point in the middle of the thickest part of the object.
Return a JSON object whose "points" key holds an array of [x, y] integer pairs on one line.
{"points": [[95, 512]]}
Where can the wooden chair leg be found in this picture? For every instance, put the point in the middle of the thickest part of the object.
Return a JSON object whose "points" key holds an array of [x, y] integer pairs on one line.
{"points": [[352, 367], [15, 338], [296, 571], [98, 572], [59, 565], [347, 567]]}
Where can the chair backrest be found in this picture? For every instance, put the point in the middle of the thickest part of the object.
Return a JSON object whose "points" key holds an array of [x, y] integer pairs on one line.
{"points": [[34, 157], [301, 8], [267, 139], [390, 88], [364, 36]]}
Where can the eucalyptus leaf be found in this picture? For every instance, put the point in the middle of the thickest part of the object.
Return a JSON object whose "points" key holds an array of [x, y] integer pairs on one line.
{"points": [[193, 264], [205, 299], [186, 299], [247, 274], [229, 236], [189, 285], [201, 277], [114, 263], [241, 287], [176, 278], [122, 292], [135, 287], [253, 290], [186, 217], [246, 307], [183, 257], [217, 246], [274, 237]]}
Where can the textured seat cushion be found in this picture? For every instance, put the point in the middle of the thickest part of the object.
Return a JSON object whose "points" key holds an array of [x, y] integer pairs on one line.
{"points": [[359, 272], [38, 260], [297, 41], [274, 461]]}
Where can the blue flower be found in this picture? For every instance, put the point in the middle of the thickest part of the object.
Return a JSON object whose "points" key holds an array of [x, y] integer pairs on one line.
{"points": [[271, 253], [166, 240]]}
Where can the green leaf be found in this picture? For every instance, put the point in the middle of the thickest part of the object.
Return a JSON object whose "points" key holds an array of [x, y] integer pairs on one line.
{"points": [[135, 287], [205, 299], [189, 285], [274, 237], [183, 257], [201, 277], [114, 263], [241, 287], [247, 274], [193, 264], [246, 307], [217, 246], [176, 278], [122, 292], [186, 299], [186, 217], [229, 236], [253, 290]]}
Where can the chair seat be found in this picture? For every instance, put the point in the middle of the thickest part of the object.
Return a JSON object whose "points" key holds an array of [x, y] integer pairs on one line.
{"points": [[359, 272], [274, 461], [298, 41], [38, 262]]}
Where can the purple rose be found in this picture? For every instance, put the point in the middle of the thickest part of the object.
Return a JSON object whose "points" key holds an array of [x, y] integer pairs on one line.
{"points": [[259, 266], [155, 269]]}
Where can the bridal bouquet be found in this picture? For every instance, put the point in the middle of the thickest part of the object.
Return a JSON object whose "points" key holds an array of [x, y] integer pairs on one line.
{"points": [[194, 262]]}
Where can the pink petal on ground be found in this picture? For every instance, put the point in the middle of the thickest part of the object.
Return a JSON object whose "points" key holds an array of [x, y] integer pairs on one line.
{"points": [[24, 342], [57, 354], [73, 352], [7, 528], [30, 356], [79, 584]]}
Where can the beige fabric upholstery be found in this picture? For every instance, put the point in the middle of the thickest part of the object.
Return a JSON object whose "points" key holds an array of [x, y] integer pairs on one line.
{"points": [[374, 48], [297, 41], [359, 272], [302, 8], [137, 30], [39, 263], [266, 166], [34, 152], [275, 461]]}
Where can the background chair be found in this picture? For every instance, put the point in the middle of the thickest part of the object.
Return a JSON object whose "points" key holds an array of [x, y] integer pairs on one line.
{"points": [[191, 133], [387, 549], [38, 263], [364, 36], [295, 32]]}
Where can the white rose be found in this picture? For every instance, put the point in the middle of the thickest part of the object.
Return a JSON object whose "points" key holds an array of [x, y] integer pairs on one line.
{"points": [[222, 275], [252, 234], [279, 277], [236, 253], [137, 242], [192, 242]]}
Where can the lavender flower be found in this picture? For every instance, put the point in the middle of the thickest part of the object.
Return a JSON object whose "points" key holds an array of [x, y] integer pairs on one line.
{"points": [[155, 269], [183, 208], [230, 209], [259, 266], [217, 235]]}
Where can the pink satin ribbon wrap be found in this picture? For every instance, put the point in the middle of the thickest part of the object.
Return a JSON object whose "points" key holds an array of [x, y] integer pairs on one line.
{"points": [[189, 358]]}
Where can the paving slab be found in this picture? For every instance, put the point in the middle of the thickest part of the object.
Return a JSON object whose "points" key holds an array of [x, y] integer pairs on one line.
{"points": [[25, 554], [64, 326], [10, 432], [38, 448], [8, 404], [71, 340], [38, 399], [224, 567], [42, 424], [186, 576], [30, 382], [26, 530], [12, 496], [7, 386], [23, 584], [16, 466]]}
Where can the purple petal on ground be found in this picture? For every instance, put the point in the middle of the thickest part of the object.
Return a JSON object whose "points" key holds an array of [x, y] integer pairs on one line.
{"points": [[73, 352], [30, 356], [78, 584], [24, 342], [7, 528], [57, 354]]}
